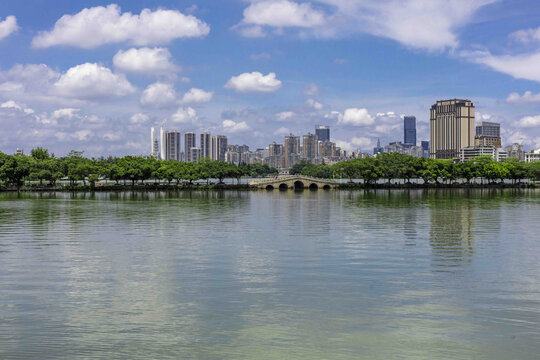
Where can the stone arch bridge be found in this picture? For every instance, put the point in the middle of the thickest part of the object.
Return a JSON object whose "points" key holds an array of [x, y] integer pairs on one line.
{"points": [[294, 182]]}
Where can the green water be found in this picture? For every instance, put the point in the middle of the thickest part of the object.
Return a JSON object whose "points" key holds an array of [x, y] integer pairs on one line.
{"points": [[271, 275]]}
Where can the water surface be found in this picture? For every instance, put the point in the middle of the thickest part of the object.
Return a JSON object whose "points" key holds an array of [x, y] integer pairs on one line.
{"points": [[420, 274]]}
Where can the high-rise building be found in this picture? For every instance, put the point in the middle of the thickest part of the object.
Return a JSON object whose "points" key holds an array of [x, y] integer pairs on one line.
{"points": [[516, 151], [451, 128], [322, 132], [189, 142], [170, 145], [327, 149], [291, 147], [154, 144], [219, 147], [425, 148], [409, 130], [310, 146], [275, 149], [206, 145], [194, 154], [488, 129], [378, 149]]}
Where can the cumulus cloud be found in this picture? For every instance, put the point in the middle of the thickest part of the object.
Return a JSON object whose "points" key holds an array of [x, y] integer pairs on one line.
{"points": [[233, 126], [184, 116], [430, 25], [355, 117], [10, 104], [139, 118], [314, 104], [284, 116], [254, 82], [91, 81], [158, 95], [360, 142], [282, 131], [527, 97], [250, 31], [153, 61], [68, 113], [282, 13], [8, 26], [195, 95], [522, 66], [526, 36], [99, 25], [529, 121]]}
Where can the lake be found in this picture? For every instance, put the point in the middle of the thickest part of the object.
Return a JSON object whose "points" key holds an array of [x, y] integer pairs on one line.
{"points": [[389, 274]]}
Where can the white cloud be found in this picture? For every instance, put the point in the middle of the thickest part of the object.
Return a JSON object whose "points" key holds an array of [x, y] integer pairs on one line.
{"points": [[184, 116], [355, 117], [91, 81], [139, 118], [430, 25], [282, 131], [526, 36], [361, 142], [195, 95], [314, 104], [527, 97], [158, 95], [311, 89], [8, 26], [82, 135], [254, 82], [280, 13], [10, 104], [154, 61], [232, 126], [68, 113], [285, 115], [523, 66], [99, 25], [251, 31], [529, 121]]}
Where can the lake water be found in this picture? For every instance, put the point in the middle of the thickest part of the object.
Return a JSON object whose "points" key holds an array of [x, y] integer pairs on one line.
{"points": [[395, 274]]}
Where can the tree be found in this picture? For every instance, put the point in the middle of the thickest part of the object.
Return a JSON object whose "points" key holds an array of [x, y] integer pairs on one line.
{"points": [[15, 169]]}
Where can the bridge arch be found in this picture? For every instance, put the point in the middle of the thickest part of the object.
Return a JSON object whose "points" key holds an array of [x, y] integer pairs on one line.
{"points": [[313, 186], [269, 187], [298, 185], [327, 187], [283, 186]]}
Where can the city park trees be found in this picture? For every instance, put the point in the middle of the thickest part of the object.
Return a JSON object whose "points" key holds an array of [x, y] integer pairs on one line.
{"points": [[43, 168]]}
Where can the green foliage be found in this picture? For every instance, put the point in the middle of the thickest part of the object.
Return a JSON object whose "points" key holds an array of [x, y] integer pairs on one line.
{"points": [[46, 168]]}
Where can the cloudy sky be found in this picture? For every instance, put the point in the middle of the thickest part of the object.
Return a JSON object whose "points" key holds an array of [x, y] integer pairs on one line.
{"points": [[97, 78]]}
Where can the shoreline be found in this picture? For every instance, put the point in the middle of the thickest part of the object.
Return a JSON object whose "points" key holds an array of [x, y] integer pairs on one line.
{"points": [[247, 187]]}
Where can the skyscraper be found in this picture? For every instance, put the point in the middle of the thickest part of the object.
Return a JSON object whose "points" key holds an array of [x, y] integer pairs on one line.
{"points": [[206, 145], [219, 147], [154, 144], [189, 142], [310, 146], [451, 128], [275, 149], [488, 133], [292, 147], [322, 132], [409, 130], [378, 149], [170, 145], [194, 154]]}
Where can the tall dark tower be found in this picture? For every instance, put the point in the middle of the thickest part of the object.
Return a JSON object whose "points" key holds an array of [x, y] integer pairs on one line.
{"points": [[409, 130], [322, 132]]}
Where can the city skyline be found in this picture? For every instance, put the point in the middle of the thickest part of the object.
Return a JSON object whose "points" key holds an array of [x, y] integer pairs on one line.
{"points": [[224, 68]]}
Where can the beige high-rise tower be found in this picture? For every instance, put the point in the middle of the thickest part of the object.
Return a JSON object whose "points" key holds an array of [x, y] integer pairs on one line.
{"points": [[452, 128]]}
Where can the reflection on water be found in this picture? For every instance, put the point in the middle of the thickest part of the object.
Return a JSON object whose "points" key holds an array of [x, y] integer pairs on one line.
{"points": [[299, 275]]}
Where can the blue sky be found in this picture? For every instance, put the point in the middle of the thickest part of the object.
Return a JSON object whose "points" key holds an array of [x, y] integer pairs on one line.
{"points": [[96, 77]]}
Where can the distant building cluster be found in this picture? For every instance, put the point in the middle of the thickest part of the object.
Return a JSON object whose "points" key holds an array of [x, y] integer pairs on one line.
{"points": [[316, 148], [453, 135]]}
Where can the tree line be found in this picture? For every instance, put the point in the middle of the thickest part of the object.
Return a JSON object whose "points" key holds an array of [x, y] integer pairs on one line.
{"points": [[390, 166], [44, 167]]}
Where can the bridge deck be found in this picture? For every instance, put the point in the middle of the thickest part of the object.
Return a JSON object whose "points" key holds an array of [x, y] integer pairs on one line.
{"points": [[291, 180]]}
